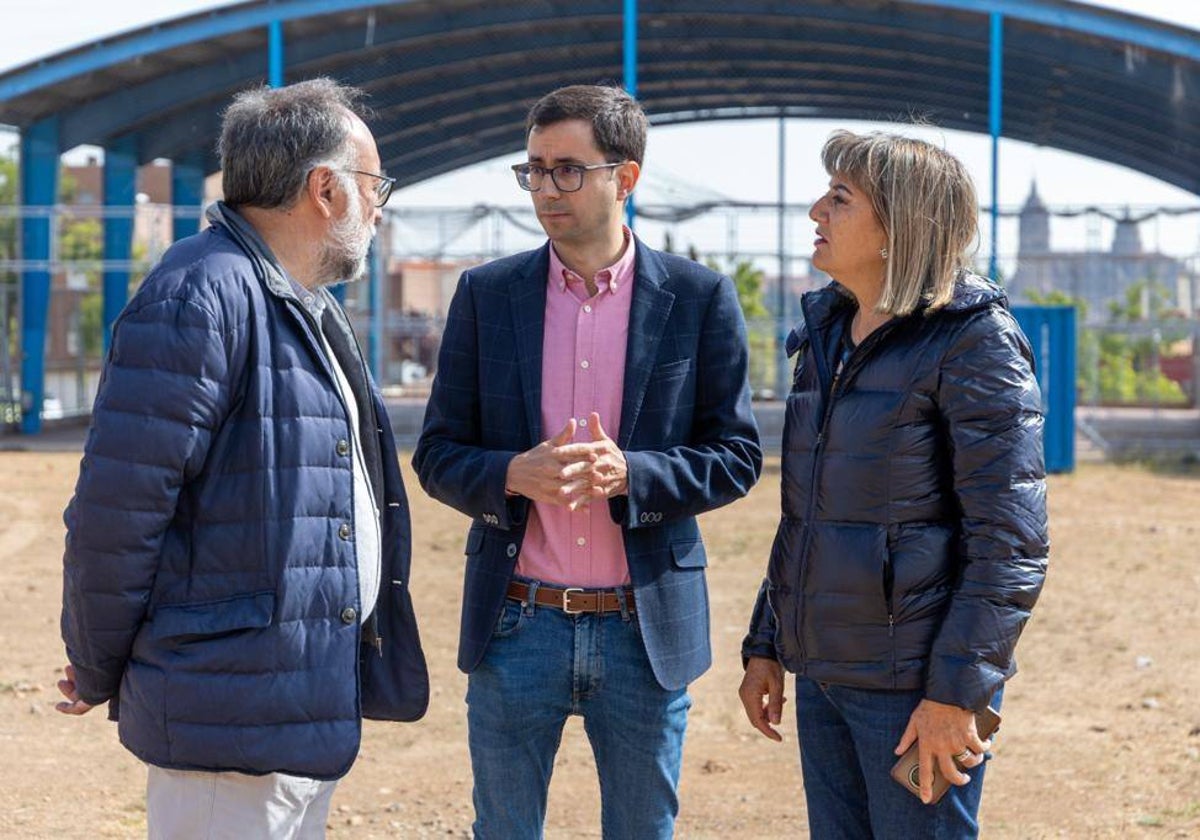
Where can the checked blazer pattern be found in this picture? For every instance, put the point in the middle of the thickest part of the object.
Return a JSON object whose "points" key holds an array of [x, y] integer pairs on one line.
{"points": [[687, 432]]}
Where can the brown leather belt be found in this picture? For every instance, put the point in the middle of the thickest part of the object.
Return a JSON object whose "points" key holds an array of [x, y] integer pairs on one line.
{"points": [[573, 600]]}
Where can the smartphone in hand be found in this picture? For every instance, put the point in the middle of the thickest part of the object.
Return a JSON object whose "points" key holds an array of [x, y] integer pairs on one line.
{"points": [[905, 771]]}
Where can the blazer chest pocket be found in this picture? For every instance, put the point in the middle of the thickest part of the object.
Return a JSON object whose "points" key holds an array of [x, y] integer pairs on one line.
{"points": [[670, 370], [668, 401]]}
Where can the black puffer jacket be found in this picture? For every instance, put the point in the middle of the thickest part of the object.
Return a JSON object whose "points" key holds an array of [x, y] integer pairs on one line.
{"points": [[913, 539]]}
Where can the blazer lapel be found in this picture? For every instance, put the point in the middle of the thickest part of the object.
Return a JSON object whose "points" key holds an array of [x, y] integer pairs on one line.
{"points": [[648, 313], [528, 305]]}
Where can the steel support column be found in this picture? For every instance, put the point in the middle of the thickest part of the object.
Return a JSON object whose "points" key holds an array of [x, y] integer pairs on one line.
{"points": [[375, 338], [781, 314], [995, 122], [631, 82], [39, 192], [275, 53], [187, 197], [120, 191]]}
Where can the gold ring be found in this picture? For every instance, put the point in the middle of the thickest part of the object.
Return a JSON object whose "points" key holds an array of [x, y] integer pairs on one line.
{"points": [[964, 755]]}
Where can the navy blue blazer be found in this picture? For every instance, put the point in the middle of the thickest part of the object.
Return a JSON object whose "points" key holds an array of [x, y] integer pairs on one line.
{"points": [[687, 432]]}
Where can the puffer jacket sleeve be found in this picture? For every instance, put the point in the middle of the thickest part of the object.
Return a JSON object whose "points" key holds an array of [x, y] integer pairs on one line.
{"points": [[760, 639], [991, 405], [164, 391]]}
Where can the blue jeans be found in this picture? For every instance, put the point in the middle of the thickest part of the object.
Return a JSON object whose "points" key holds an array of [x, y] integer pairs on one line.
{"points": [[847, 741], [543, 665]]}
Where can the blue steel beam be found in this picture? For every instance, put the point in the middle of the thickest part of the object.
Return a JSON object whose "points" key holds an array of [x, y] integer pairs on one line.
{"points": [[995, 114], [275, 53], [187, 196], [1093, 21], [39, 191], [631, 81], [120, 191], [197, 28]]}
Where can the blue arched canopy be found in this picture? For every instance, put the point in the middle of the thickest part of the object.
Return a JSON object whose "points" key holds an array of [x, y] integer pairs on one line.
{"points": [[451, 81]]}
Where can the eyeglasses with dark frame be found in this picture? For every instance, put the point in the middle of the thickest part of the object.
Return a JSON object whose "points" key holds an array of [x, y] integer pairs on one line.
{"points": [[567, 177], [383, 191]]}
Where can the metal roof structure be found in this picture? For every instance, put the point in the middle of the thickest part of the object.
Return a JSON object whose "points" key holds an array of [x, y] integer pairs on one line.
{"points": [[451, 80]]}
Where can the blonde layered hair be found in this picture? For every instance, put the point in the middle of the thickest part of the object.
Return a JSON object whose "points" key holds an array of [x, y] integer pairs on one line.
{"points": [[924, 200]]}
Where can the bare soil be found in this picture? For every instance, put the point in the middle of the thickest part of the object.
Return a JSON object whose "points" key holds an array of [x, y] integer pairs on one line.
{"points": [[1101, 734]]}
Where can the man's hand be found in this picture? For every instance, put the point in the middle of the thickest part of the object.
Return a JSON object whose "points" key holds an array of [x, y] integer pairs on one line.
{"points": [[763, 678], [72, 705], [945, 734], [599, 469], [538, 474]]}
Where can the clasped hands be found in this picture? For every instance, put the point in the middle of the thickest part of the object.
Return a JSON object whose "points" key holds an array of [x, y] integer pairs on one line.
{"points": [[560, 472]]}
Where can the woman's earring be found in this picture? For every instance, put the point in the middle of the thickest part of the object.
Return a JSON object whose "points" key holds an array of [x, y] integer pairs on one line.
{"points": [[883, 252]]}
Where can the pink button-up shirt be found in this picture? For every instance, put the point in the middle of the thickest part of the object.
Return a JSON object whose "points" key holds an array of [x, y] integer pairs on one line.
{"points": [[583, 370]]}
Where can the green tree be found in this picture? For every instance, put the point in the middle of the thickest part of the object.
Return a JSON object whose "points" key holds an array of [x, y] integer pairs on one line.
{"points": [[1115, 367], [9, 410]]}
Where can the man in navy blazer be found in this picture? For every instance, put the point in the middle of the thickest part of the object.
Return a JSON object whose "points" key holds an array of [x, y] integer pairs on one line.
{"points": [[585, 591]]}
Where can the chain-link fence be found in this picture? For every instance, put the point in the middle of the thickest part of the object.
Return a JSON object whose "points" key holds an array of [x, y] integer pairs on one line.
{"points": [[1138, 330]]}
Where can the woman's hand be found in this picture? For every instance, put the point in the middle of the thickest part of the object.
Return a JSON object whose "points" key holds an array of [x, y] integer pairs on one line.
{"points": [[763, 678], [945, 734]]}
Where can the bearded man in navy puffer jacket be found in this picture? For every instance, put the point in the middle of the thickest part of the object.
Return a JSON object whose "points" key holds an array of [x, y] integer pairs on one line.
{"points": [[237, 558]]}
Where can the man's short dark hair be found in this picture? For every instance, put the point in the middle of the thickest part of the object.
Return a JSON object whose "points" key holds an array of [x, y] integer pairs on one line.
{"points": [[271, 138], [618, 122]]}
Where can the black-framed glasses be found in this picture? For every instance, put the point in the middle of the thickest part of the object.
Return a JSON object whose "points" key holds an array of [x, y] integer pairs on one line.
{"points": [[383, 190], [567, 177]]}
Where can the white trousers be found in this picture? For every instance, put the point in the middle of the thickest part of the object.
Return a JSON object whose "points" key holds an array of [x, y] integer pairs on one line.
{"points": [[198, 805]]}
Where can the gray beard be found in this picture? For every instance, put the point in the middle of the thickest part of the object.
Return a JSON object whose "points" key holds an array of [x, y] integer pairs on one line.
{"points": [[344, 256]]}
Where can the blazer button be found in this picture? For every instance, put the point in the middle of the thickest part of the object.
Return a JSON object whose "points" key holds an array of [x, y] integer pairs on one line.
{"points": [[343, 448], [511, 551], [344, 531], [349, 615]]}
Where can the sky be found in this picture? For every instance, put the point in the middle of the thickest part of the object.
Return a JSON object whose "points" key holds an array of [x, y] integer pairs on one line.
{"points": [[735, 160]]}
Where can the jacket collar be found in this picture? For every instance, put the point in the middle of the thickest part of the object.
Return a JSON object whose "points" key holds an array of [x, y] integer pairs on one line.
{"points": [[648, 313], [971, 291]]}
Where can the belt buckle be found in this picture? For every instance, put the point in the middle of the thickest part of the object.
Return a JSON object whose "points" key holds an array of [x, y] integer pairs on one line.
{"points": [[566, 594]]}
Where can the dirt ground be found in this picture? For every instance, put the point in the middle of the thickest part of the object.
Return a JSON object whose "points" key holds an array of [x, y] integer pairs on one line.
{"points": [[1101, 735]]}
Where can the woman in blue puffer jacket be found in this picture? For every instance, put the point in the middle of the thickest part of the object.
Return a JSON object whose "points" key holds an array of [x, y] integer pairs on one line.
{"points": [[913, 542]]}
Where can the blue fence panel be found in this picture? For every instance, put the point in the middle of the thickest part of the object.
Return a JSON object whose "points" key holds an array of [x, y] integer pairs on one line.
{"points": [[1051, 331]]}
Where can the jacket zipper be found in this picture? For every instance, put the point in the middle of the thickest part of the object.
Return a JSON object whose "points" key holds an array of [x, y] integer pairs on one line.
{"points": [[851, 364]]}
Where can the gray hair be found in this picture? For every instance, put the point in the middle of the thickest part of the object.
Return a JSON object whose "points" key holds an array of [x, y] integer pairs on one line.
{"points": [[271, 138], [925, 201]]}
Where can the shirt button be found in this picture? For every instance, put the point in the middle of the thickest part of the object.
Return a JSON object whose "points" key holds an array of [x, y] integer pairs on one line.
{"points": [[581, 541], [584, 364], [349, 615], [511, 550], [344, 531], [587, 308], [343, 448], [583, 422]]}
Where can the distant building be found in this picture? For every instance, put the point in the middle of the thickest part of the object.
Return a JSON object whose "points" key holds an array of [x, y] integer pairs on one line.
{"points": [[1096, 277]]}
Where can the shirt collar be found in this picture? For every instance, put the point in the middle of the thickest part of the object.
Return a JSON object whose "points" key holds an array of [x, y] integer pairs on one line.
{"points": [[608, 279]]}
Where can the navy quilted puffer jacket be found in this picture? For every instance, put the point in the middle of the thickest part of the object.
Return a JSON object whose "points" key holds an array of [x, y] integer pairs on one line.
{"points": [[210, 580], [913, 540]]}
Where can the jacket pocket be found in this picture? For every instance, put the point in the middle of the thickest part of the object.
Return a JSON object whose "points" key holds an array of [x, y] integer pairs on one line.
{"points": [[474, 541], [689, 555], [671, 369], [214, 618]]}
